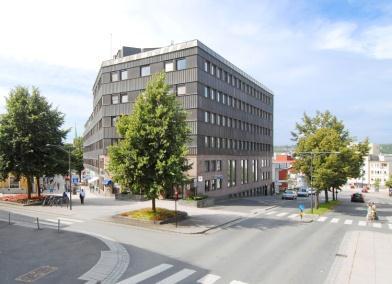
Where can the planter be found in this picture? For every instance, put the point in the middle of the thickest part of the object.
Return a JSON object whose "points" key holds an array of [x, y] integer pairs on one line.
{"points": [[139, 222], [130, 196], [197, 203]]}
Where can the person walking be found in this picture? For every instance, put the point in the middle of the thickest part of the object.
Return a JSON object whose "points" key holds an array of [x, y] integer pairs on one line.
{"points": [[374, 211], [369, 215], [82, 195]]}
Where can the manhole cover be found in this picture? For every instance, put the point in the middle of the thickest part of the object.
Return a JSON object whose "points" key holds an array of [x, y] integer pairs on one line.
{"points": [[36, 274]]}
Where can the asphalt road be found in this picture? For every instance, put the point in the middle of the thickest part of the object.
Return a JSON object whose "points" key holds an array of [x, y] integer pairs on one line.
{"points": [[270, 247]]}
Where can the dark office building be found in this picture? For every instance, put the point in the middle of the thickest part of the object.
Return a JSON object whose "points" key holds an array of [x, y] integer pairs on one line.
{"points": [[230, 115]]}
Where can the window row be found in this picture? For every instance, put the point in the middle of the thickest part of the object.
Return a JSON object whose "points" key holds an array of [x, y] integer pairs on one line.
{"points": [[225, 99], [93, 130], [145, 70], [222, 120], [213, 184], [226, 143], [213, 165], [94, 146], [235, 82]]}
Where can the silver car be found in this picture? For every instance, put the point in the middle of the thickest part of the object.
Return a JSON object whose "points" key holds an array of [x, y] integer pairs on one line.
{"points": [[303, 192], [289, 194]]}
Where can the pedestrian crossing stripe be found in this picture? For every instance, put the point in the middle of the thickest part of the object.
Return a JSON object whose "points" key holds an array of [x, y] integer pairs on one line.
{"points": [[348, 222], [271, 212], [61, 221], [293, 215], [376, 225], [209, 279], [177, 277], [282, 214], [390, 226], [335, 220], [322, 219], [146, 274], [362, 223]]}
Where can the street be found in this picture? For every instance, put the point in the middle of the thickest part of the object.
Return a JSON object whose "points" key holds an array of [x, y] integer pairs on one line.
{"points": [[268, 245]]}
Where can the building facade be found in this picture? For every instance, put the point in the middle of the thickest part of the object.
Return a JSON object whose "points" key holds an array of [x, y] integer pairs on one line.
{"points": [[230, 115]]}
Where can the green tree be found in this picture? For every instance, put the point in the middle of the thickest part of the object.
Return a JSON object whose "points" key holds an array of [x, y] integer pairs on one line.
{"points": [[319, 136], [151, 157], [29, 124], [77, 156], [388, 183]]}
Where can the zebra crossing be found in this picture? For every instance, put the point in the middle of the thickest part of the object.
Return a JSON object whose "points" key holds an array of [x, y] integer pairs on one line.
{"points": [[333, 220], [175, 276], [54, 223]]}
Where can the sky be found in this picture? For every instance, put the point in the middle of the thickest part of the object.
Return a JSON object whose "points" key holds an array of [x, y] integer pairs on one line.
{"points": [[315, 55]]}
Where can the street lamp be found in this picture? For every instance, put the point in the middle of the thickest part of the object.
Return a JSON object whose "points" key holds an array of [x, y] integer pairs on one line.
{"points": [[69, 169], [311, 170]]}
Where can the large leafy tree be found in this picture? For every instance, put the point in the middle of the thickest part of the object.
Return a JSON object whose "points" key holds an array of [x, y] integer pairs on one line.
{"points": [[28, 126], [77, 156], [326, 153], [151, 157]]}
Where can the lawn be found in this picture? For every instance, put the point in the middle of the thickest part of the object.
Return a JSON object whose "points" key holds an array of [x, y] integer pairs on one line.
{"points": [[323, 207], [147, 214]]}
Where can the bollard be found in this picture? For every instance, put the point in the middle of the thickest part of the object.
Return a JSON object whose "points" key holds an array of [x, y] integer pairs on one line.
{"points": [[58, 226], [9, 218], [37, 223]]}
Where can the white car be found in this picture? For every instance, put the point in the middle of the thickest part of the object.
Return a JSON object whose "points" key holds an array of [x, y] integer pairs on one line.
{"points": [[289, 194], [303, 192], [311, 191]]}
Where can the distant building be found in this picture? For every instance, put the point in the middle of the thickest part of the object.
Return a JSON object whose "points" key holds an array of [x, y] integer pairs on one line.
{"points": [[230, 115]]}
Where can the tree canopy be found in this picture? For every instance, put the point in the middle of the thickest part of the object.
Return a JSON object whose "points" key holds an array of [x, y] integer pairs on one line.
{"points": [[29, 124], [77, 155], [151, 157], [326, 152]]}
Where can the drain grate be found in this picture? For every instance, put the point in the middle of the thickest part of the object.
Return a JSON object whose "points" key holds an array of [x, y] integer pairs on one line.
{"points": [[341, 255]]}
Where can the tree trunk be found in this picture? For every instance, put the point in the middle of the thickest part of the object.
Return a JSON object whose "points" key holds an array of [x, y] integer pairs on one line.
{"points": [[316, 203], [153, 205], [80, 176], [38, 187], [333, 193], [29, 187], [326, 195]]}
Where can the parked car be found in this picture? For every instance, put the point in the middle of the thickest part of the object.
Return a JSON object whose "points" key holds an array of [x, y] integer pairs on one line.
{"points": [[311, 191], [289, 194], [364, 190], [303, 192], [357, 197]]}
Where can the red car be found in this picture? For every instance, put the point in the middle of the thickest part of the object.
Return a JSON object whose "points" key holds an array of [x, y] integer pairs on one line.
{"points": [[357, 197], [365, 190]]}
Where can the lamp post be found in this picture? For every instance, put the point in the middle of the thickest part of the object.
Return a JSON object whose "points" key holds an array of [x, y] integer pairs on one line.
{"points": [[311, 170], [69, 169]]}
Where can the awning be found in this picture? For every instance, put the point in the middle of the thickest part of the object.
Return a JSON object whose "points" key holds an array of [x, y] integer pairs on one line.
{"points": [[107, 181], [94, 179]]}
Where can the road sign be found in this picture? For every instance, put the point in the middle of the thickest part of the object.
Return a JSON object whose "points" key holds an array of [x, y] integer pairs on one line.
{"points": [[200, 178], [301, 207]]}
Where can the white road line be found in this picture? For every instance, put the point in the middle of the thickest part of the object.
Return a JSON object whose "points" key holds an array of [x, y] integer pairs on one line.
{"points": [[237, 282], [71, 220], [348, 222], [61, 221], [335, 220], [293, 215], [47, 223], [282, 214], [146, 274], [390, 226], [209, 279], [177, 277], [271, 212], [362, 223], [321, 219], [377, 225]]}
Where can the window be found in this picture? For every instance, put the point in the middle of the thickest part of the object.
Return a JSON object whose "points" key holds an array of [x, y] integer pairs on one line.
{"points": [[229, 99], [212, 69], [207, 185], [218, 96], [218, 142], [114, 76], [169, 66], [115, 99], [181, 64], [212, 94], [223, 120], [114, 118], [223, 98], [218, 165], [14, 183], [207, 166], [206, 92], [206, 116], [218, 183], [218, 72], [213, 166], [212, 142], [124, 98], [213, 184], [124, 74], [218, 119], [206, 66], [206, 141], [181, 90], [231, 173], [145, 70]]}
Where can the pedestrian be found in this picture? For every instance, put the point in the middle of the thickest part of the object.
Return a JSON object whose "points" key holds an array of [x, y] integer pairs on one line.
{"points": [[374, 211], [369, 215], [82, 195]]}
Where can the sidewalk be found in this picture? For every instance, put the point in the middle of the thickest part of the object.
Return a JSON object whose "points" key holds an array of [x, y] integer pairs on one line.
{"points": [[363, 257]]}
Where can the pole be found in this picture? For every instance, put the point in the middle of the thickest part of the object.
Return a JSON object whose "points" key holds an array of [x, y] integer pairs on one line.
{"points": [[70, 180], [9, 218], [311, 184]]}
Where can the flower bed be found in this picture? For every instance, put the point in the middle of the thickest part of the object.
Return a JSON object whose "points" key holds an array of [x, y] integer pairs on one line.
{"points": [[145, 215], [22, 198]]}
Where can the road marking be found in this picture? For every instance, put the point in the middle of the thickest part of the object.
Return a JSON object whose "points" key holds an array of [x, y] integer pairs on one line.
{"points": [[348, 222], [362, 223], [47, 223], [376, 225], [335, 220], [146, 274], [322, 219], [282, 214], [390, 226], [36, 274], [209, 279], [71, 220], [237, 282], [271, 212], [293, 215], [177, 277], [61, 221]]}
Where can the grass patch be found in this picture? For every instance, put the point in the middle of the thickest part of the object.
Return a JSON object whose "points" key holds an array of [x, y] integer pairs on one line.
{"points": [[147, 214], [323, 208]]}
